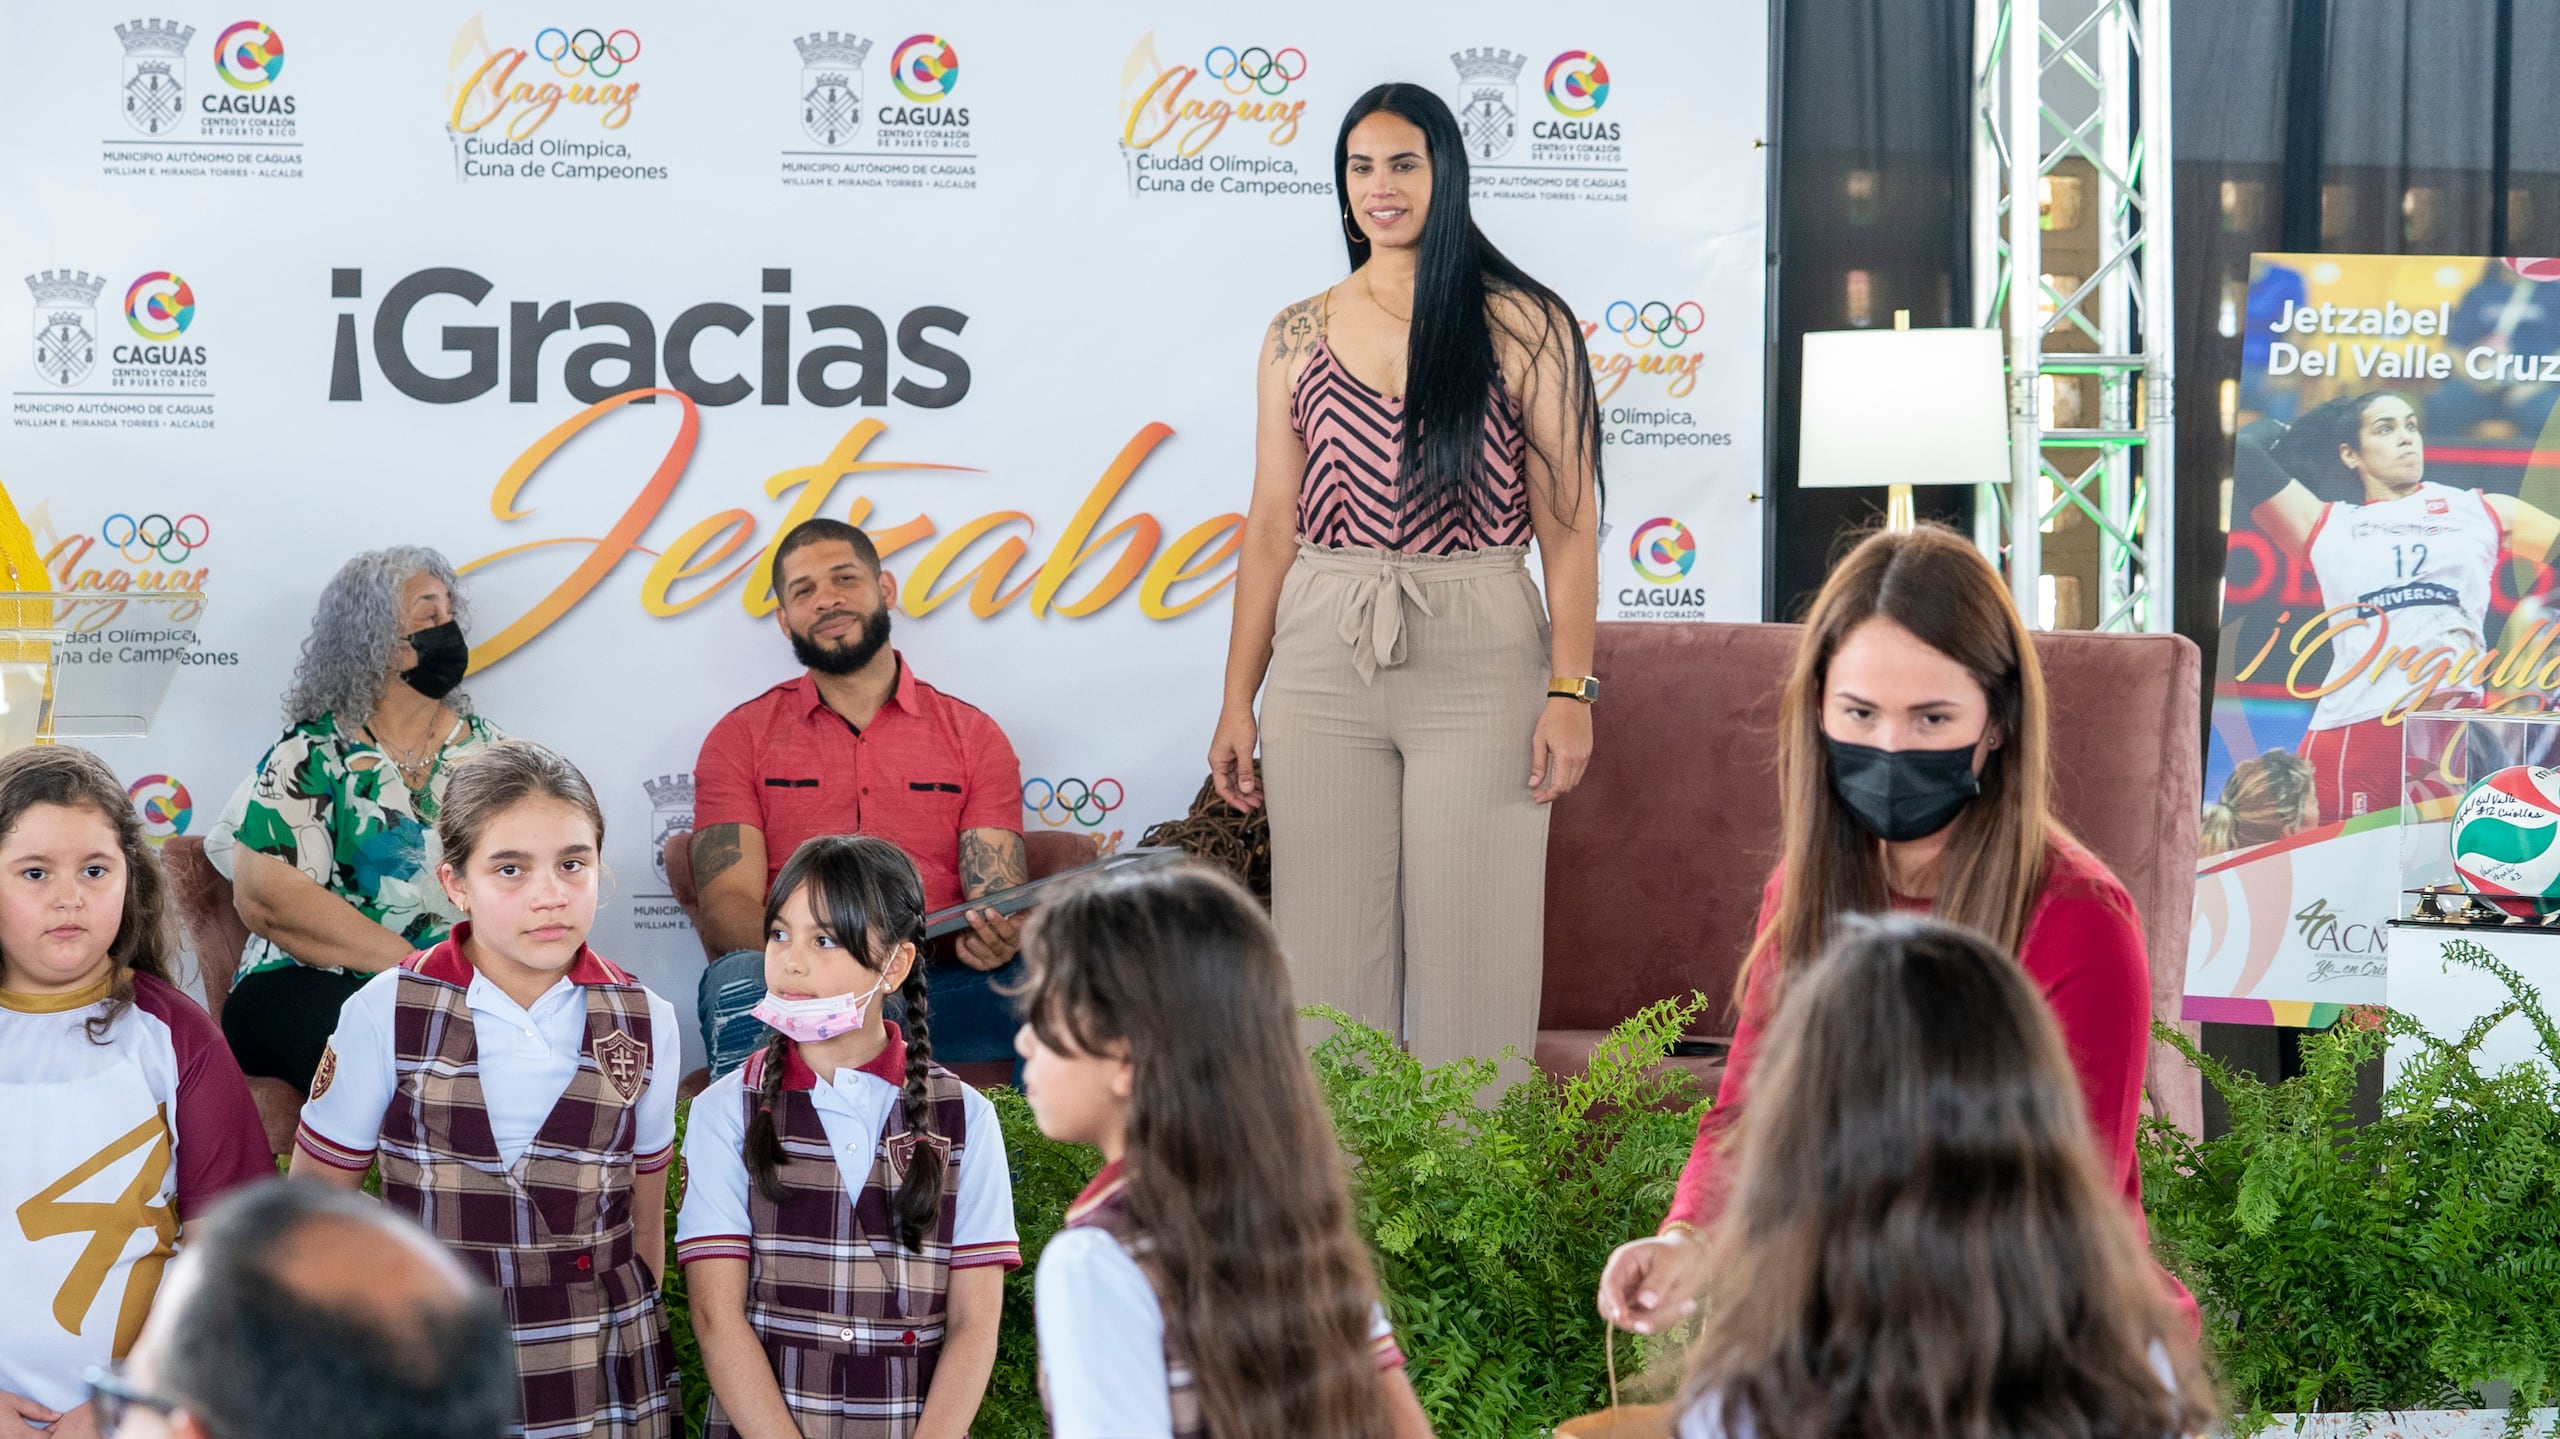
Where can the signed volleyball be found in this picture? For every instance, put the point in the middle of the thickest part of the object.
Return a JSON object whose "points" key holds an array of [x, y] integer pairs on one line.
{"points": [[2506, 833]]}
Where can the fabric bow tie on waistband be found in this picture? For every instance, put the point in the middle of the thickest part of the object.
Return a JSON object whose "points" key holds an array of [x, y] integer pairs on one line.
{"points": [[1373, 619]]}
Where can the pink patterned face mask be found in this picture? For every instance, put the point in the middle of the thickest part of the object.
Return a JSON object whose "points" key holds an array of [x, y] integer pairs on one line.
{"points": [[811, 1020]]}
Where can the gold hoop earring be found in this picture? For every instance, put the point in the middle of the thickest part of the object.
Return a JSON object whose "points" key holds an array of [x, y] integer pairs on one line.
{"points": [[1351, 228]]}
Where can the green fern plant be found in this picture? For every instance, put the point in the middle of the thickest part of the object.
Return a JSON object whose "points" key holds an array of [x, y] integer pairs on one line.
{"points": [[1490, 1224], [2403, 1264]]}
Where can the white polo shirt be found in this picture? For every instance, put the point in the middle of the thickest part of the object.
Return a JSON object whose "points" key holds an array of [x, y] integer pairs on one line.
{"points": [[527, 1057], [854, 1108], [1102, 1333]]}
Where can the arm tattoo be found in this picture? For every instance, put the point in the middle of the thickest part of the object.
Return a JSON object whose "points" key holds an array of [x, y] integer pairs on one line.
{"points": [[1294, 331], [992, 859], [715, 853]]}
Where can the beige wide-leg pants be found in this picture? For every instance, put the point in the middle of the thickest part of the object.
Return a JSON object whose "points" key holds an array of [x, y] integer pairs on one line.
{"points": [[1408, 861]]}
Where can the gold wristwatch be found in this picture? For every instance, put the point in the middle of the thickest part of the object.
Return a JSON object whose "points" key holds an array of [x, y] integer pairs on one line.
{"points": [[1573, 687]]}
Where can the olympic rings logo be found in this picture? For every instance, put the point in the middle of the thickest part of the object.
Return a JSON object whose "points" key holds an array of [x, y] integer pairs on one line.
{"points": [[1655, 321], [249, 56], [1254, 68], [925, 68], [1074, 800], [156, 535], [590, 48]]}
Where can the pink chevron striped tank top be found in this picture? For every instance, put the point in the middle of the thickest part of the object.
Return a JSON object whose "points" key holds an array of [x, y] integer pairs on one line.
{"points": [[1355, 439]]}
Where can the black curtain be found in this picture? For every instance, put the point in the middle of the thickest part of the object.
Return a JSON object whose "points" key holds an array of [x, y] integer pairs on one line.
{"points": [[1873, 148], [2349, 126]]}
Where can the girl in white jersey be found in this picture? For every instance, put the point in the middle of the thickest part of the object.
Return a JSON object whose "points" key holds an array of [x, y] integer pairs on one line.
{"points": [[2414, 560], [122, 1114]]}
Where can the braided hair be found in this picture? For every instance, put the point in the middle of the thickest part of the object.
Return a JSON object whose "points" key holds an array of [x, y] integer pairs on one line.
{"points": [[866, 894]]}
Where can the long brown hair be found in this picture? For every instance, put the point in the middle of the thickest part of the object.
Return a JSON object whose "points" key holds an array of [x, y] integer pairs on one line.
{"points": [[1935, 584], [1233, 1170], [1920, 1241], [866, 894], [77, 779]]}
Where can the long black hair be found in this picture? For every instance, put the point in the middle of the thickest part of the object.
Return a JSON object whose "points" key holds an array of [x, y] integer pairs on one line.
{"points": [[2308, 450], [865, 892], [1450, 365]]}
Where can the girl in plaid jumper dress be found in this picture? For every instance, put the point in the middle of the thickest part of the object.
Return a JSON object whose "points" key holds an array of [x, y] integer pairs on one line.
{"points": [[1209, 1280], [848, 1214], [519, 1094]]}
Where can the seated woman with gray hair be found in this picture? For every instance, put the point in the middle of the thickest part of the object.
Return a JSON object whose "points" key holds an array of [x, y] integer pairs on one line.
{"points": [[333, 866]]}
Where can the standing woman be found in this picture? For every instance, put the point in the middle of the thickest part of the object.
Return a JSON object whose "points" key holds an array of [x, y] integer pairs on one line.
{"points": [[1419, 424], [1915, 763]]}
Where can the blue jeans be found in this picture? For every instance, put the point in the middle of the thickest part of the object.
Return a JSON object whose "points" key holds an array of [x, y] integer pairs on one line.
{"points": [[730, 986], [971, 1021]]}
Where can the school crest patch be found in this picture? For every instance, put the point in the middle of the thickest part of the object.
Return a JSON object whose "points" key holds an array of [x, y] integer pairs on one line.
{"points": [[625, 1062], [323, 1076], [902, 1151]]}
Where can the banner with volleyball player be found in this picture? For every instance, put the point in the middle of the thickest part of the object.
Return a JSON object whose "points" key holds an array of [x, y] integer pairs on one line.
{"points": [[2394, 484]]}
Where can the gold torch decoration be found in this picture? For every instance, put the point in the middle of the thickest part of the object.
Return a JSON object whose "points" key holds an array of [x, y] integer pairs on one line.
{"points": [[26, 658]]}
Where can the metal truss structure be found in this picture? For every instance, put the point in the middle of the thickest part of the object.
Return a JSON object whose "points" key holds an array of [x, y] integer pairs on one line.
{"points": [[2081, 88]]}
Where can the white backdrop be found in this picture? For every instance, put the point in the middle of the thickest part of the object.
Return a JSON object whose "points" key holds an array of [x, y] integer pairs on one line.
{"points": [[1046, 240]]}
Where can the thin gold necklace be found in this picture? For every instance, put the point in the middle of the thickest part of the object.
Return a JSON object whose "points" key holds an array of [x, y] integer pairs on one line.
{"points": [[1374, 300]]}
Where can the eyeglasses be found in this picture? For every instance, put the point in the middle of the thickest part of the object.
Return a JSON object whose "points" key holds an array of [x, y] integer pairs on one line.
{"points": [[115, 1397]]}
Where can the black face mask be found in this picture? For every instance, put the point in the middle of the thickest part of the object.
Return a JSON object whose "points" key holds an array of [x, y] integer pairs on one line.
{"points": [[1903, 794], [443, 657]]}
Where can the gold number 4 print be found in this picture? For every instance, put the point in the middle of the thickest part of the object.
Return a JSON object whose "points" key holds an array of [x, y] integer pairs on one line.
{"points": [[110, 1227]]}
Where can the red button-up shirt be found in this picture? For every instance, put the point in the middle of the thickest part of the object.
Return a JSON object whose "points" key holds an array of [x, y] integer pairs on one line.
{"points": [[926, 768]]}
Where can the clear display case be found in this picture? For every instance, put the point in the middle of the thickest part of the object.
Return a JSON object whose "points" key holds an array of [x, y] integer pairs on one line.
{"points": [[90, 665], [2480, 880], [2505, 871]]}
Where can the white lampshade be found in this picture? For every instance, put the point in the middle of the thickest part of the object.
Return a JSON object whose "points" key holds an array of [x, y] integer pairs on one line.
{"points": [[1902, 407]]}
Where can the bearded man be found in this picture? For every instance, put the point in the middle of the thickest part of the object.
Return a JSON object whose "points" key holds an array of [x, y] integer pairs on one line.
{"points": [[855, 744]]}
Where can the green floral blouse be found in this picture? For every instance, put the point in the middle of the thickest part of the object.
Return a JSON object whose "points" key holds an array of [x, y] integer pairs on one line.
{"points": [[336, 808]]}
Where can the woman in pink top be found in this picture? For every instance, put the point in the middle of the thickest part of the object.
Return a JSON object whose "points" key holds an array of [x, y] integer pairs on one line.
{"points": [[1420, 424]]}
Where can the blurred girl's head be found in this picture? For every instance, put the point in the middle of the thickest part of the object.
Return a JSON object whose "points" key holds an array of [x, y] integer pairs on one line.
{"points": [[81, 894], [1158, 1019], [1920, 1240]]}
